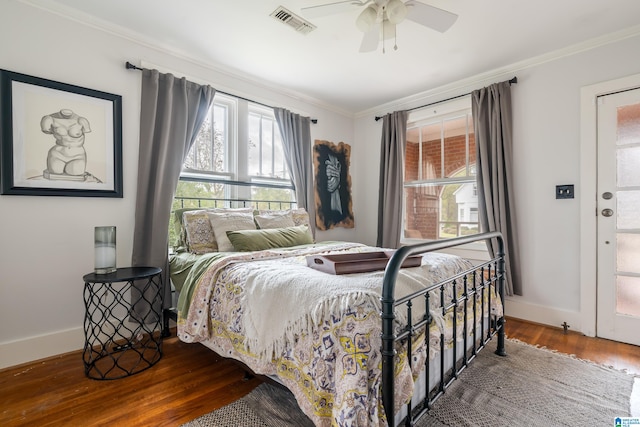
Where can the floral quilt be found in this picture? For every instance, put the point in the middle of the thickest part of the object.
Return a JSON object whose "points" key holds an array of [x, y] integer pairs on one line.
{"points": [[331, 363]]}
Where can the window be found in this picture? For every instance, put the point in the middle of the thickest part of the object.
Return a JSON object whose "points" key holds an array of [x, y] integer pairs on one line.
{"points": [[237, 154], [266, 156], [440, 192], [212, 158], [266, 162]]}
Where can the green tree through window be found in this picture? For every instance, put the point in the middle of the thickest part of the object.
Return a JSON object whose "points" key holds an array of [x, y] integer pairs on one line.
{"points": [[235, 156]]}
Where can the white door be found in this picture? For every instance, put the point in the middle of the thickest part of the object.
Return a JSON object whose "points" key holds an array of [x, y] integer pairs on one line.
{"points": [[618, 217]]}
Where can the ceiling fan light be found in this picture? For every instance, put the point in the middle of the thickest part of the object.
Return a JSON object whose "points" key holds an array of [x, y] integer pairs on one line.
{"points": [[396, 11], [367, 19]]}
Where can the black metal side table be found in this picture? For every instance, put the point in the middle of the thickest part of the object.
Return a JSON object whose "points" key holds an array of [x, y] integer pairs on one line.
{"points": [[123, 322]]}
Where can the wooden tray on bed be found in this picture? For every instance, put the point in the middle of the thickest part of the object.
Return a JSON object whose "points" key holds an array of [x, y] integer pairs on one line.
{"points": [[357, 262]]}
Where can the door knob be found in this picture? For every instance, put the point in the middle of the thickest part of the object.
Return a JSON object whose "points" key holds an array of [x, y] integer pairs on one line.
{"points": [[607, 212]]}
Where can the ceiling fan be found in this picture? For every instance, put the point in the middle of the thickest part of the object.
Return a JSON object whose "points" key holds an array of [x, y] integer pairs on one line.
{"points": [[379, 18]]}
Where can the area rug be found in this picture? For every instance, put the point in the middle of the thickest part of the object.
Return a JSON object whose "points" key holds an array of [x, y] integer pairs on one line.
{"points": [[529, 387]]}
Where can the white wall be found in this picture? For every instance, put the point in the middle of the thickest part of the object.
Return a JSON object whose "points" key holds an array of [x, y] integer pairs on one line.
{"points": [[546, 115], [47, 242]]}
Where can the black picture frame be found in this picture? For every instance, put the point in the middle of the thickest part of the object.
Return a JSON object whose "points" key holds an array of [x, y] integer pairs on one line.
{"points": [[58, 139]]}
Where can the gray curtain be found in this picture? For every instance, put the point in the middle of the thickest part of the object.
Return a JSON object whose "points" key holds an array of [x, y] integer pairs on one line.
{"points": [[296, 141], [492, 120], [394, 141], [171, 112]]}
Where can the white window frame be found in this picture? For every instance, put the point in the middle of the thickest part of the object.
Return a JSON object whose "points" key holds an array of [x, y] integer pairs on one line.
{"points": [[236, 150], [255, 109], [433, 115]]}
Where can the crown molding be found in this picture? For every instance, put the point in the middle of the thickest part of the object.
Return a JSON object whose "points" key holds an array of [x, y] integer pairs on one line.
{"points": [[480, 80], [432, 95], [51, 6]]}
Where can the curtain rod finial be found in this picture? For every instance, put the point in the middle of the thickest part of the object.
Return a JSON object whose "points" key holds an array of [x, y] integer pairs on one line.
{"points": [[129, 66]]}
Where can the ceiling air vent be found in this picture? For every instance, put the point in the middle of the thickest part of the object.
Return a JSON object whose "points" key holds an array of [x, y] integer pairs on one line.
{"points": [[294, 21]]}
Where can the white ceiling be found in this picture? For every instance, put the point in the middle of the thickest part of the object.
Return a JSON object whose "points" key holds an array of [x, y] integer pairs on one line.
{"points": [[240, 36]]}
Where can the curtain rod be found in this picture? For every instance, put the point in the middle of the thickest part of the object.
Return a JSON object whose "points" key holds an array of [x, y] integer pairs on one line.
{"points": [[511, 82], [129, 66]]}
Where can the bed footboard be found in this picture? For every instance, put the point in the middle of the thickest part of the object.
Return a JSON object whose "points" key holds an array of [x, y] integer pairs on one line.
{"points": [[478, 283]]}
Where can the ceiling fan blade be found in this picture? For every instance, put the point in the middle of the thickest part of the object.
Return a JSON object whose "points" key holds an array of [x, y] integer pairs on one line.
{"points": [[370, 40], [330, 8], [430, 16]]}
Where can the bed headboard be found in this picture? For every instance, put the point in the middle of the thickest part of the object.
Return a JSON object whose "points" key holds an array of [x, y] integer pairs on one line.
{"points": [[186, 203], [203, 202]]}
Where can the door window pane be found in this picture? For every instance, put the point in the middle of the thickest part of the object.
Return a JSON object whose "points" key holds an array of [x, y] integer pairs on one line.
{"points": [[628, 208], [628, 252], [628, 295], [628, 166], [629, 124]]}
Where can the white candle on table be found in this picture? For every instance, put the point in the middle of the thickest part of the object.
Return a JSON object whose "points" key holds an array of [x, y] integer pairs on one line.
{"points": [[105, 257]]}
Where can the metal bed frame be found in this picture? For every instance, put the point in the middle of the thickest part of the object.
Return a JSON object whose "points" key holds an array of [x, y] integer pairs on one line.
{"points": [[482, 277]]}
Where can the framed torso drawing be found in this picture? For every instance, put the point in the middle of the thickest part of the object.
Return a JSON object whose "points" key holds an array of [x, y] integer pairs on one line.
{"points": [[334, 207], [59, 139]]}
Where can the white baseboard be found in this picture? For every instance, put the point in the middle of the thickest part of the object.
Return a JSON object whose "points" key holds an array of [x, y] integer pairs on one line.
{"points": [[40, 347], [35, 348], [541, 314]]}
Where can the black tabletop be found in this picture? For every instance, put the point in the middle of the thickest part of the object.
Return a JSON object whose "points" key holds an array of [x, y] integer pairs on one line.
{"points": [[122, 275]]}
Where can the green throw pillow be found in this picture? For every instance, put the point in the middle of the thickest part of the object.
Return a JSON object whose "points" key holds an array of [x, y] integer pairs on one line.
{"points": [[270, 238]]}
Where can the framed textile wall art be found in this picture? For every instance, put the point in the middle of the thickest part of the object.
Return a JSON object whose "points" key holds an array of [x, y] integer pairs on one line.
{"points": [[334, 207]]}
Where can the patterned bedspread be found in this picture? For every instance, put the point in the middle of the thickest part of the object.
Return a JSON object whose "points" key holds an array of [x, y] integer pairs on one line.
{"points": [[331, 362]]}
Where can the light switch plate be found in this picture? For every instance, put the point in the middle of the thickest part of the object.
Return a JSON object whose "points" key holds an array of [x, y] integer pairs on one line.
{"points": [[564, 192]]}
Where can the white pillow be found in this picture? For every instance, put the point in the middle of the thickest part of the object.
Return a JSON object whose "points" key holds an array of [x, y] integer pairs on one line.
{"points": [[198, 232], [223, 222], [275, 220], [300, 215]]}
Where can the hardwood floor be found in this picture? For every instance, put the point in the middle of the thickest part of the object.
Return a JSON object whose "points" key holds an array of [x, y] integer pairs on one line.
{"points": [[191, 380], [609, 353]]}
